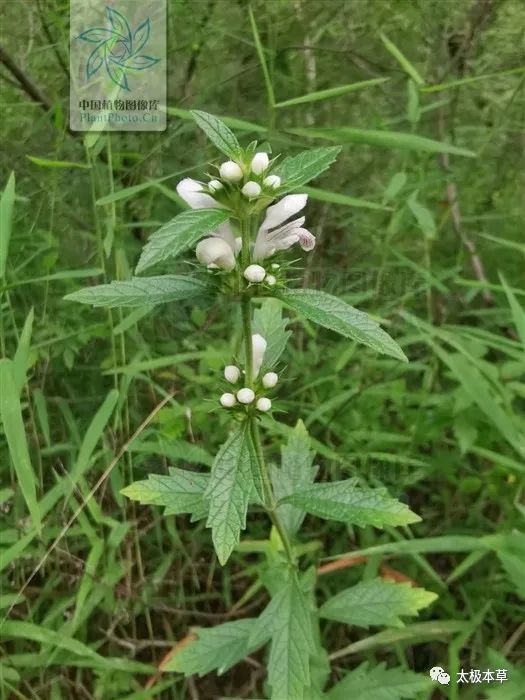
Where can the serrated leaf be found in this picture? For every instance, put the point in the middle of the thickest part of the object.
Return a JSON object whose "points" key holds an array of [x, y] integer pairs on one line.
{"points": [[229, 491], [335, 314], [179, 234], [218, 133], [379, 683], [215, 649], [288, 620], [296, 471], [376, 602], [348, 503], [180, 491], [268, 321], [300, 169], [142, 291]]}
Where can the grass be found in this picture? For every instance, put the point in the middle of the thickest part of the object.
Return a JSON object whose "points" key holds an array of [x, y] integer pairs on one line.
{"points": [[96, 591]]}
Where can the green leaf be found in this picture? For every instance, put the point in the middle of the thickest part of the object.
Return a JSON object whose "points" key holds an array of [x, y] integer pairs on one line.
{"points": [[423, 216], [347, 503], [288, 620], [518, 313], [218, 133], [229, 491], [13, 423], [179, 234], [333, 313], [298, 170], [268, 321], [376, 602], [380, 683], [7, 201], [262, 58], [142, 291], [472, 79], [19, 629], [344, 200], [215, 649], [21, 358], [180, 491], [383, 139], [297, 471], [329, 93], [92, 436], [46, 163], [238, 124], [402, 60]]}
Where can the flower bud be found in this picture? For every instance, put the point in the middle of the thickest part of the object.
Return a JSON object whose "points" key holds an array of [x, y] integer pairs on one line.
{"points": [[232, 374], [275, 266], [270, 280], [228, 400], [264, 404], [270, 380], [251, 189], [273, 181], [215, 185], [238, 244], [245, 395], [215, 253], [260, 162], [255, 273], [258, 349], [230, 171]]}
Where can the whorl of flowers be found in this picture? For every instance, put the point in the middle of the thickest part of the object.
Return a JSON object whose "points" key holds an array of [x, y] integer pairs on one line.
{"points": [[247, 188], [255, 393]]}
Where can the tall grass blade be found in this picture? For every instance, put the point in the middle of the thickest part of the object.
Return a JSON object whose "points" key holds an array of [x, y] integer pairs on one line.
{"points": [[13, 423]]}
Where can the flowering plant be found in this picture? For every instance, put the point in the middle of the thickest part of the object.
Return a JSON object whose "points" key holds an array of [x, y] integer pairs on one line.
{"points": [[242, 220]]}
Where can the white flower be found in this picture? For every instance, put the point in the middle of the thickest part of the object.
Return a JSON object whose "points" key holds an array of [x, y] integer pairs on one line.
{"points": [[230, 171], [274, 235], [232, 374], [260, 162], [191, 191], [228, 400], [215, 185], [270, 280], [251, 189], [254, 273], [273, 181], [258, 349], [264, 404], [215, 253], [245, 395], [270, 380]]}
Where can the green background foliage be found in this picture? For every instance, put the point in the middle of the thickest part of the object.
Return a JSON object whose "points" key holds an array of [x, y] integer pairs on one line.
{"points": [[419, 223]]}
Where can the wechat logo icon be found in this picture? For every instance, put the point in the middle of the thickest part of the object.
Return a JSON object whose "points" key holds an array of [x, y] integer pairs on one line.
{"points": [[440, 675]]}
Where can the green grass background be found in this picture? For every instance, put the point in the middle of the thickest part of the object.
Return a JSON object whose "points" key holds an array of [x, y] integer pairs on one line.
{"points": [[402, 231]]}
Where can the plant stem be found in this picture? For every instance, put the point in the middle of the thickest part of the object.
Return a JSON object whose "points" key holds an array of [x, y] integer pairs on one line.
{"points": [[270, 501], [270, 496]]}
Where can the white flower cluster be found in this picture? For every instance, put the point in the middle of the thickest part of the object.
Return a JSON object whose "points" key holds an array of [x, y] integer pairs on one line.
{"points": [[246, 395], [239, 183]]}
